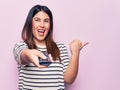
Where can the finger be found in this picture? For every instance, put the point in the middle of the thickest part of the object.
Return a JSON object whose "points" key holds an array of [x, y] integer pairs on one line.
{"points": [[50, 57], [40, 54], [41, 66], [38, 65], [84, 44]]}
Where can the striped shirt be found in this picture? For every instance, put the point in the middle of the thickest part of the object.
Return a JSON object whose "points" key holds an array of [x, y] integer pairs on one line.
{"points": [[50, 78]]}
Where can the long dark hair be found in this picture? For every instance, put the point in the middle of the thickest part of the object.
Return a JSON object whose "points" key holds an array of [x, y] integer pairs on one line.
{"points": [[27, 35]]}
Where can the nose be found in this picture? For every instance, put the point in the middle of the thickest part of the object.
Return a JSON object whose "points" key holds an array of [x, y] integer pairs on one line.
{"points": [[42, 24]]}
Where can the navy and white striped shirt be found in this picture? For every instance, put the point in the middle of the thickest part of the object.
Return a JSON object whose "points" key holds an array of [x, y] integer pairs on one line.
{"points": [[50, 78]]}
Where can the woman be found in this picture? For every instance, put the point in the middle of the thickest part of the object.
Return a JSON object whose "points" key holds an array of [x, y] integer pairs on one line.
{"points": [[37, 38]]}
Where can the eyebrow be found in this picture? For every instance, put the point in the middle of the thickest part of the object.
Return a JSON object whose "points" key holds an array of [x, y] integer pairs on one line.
{"points": [[40, 18]]}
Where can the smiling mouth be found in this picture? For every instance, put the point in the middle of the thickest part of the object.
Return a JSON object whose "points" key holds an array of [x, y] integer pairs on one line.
{"points": [[41, 32]]}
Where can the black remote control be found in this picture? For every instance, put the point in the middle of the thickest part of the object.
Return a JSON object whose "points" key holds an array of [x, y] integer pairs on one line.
{"points": [[46, 61]]}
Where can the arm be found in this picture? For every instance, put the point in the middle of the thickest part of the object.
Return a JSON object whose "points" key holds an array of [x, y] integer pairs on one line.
{"points": [[72, 70], [24, 56], [31, 55], [18, 48]]}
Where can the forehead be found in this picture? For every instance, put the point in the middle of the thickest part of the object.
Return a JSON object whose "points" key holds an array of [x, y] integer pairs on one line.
{"points": [[41, 14]]}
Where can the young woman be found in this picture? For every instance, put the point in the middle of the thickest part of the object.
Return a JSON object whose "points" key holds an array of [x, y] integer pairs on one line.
{"points": [[37, 35]]}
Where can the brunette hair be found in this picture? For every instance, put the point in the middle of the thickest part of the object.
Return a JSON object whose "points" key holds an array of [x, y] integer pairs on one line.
{"points": [[27, 35]]}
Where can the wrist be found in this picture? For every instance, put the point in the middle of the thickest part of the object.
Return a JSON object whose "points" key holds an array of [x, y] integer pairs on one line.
{"points": [[74, 56], [76, 53], [24, 56]]}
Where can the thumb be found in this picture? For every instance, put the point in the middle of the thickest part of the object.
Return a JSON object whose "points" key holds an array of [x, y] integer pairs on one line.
{"points": [[40, 54], [85, 43], [50, 58]]}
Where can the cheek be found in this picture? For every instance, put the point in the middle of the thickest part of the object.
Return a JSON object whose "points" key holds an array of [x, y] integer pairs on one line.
{"points": [[33, 29], [33, 25], [48, 26]]}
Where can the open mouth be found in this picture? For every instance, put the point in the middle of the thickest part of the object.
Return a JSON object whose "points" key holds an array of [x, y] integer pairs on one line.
{"points": [[41, 32]]}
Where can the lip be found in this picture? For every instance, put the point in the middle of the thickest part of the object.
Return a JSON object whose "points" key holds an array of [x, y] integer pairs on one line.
{"points": [[41, 32]]}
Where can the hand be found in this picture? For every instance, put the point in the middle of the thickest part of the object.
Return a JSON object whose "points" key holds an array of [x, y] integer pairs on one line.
{"points": [[31, 55], [76, 46]]}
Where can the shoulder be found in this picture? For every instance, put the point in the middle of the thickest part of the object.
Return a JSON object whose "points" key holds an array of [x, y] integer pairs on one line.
{"points": [[61, 45], [20, 43]]}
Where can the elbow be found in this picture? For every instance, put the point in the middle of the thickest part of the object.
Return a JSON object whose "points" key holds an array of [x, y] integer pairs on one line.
{"points": [[69, 81], [69, 78]]}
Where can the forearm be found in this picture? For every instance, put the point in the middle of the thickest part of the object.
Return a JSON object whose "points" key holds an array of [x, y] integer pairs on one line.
{"points": [[72, 69], [24, 57]]}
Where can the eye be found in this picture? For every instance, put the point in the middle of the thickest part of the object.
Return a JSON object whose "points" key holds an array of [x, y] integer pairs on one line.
{"points": [[46, 20], [37, 19]]}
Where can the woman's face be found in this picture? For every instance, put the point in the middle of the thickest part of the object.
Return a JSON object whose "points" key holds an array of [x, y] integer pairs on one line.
{"points": [[40, 27]]}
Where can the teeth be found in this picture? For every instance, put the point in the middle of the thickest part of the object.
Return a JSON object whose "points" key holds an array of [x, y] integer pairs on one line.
{"points": [[41, 31]]}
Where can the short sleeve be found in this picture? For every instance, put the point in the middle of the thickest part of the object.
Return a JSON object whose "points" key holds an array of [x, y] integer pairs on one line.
{"points": [[18, 49], [64, 56]]}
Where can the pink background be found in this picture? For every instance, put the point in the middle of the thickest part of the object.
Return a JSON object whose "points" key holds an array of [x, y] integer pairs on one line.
{"points": [[95, 21]]}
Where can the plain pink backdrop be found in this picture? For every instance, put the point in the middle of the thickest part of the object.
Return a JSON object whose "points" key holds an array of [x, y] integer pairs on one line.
{"points": [[95, 21]]}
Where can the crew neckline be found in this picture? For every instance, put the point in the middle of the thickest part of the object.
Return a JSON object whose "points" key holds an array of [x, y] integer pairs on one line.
{"points": [[41, 46]]}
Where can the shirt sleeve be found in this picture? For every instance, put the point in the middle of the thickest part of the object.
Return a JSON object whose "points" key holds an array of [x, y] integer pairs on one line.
{"points": [[18, 49], [64, 57]]}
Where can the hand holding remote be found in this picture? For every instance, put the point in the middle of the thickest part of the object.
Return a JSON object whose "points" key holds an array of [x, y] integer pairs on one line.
{"points": [[46, 61]]}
